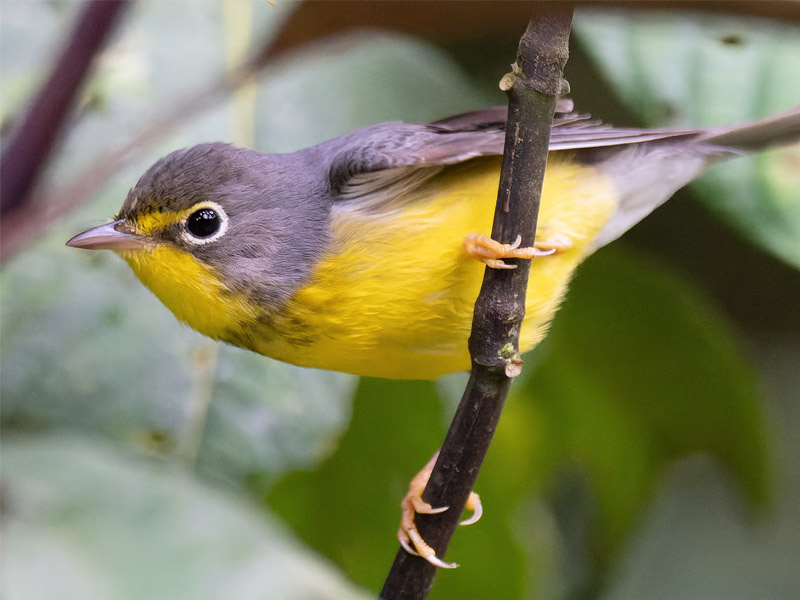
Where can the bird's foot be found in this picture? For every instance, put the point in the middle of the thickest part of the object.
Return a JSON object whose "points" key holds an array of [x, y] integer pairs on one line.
{"points": [[413, 504], [492, 252]]}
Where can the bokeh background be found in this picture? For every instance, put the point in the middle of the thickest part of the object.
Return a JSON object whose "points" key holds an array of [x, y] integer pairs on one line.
{"points": [[649, 450]]}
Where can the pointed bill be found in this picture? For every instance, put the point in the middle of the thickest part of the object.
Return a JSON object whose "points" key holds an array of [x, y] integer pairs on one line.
{"points": [[111, 236]]}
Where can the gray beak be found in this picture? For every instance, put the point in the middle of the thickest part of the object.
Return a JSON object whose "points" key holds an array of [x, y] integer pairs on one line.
{"points": [[111, 236]]}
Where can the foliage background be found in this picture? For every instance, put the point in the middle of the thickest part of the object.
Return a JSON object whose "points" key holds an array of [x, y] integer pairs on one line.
{"points": [[650, 449]]}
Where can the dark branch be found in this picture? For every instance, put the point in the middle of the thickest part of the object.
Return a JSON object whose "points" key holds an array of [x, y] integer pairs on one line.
{"points": [[33, 139], [533, 88], [41, 208]]}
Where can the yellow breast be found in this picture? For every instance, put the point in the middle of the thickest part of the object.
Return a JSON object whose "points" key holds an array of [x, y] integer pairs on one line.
{"points": [[395, 296]]}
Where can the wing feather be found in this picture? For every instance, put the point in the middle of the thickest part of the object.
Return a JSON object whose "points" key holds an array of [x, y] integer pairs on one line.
{"points": [[375, 158]]}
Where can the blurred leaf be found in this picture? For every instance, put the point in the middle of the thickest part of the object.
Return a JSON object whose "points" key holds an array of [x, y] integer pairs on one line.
{"points": [[363, 79], [640, 370], [269, 416], [119, 363], [693, 544], [719, 71], [112, 527]]}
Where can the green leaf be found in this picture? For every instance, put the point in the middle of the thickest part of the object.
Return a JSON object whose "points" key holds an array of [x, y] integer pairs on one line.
{"points": [[700, 70], [340, 85], [693, 543], [120, 364], [639, 370], [102, 525], [267, 417]]}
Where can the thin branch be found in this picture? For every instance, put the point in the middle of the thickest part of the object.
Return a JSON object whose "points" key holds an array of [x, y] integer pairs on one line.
{"points": [[30, 220], [533, 88], [36, 135]]}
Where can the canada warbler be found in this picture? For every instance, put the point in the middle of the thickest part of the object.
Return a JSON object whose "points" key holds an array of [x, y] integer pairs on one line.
{"points": [[357, 254]]}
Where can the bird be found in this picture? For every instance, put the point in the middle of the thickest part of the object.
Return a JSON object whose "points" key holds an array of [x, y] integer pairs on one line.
{"points": [[365, 253]]}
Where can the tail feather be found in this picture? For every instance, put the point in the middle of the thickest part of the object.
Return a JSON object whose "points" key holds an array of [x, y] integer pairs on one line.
{"points": [[783, 128], [647, 175]]}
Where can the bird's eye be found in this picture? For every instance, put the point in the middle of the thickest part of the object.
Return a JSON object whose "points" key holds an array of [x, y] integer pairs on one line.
{"points": [[204, 223]]}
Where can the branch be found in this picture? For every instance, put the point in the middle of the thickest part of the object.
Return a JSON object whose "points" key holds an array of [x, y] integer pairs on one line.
{"points": [[30, 220], [34, 138], [533, 88]]}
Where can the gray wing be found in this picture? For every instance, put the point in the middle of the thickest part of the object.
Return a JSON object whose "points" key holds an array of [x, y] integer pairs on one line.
{"points": [[400, 155], [386, 164]]}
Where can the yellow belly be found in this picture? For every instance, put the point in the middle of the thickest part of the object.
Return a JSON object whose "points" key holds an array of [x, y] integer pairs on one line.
{"points": [[394, 298]]}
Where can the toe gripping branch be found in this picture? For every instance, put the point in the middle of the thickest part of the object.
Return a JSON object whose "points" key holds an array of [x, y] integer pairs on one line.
{"points": [[492, 252], [413, 504]]}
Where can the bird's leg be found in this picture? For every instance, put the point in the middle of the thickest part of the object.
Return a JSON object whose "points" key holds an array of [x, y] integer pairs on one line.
{"points": [[492, 252], [412, 504]]}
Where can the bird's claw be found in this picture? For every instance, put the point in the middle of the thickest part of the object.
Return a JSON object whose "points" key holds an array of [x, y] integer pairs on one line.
{"points": [[408, 534], [492, 252]]}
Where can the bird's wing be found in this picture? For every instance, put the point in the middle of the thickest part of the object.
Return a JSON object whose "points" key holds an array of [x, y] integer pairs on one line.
{"points": [[402, 155], [388, 163], [570, 130]]}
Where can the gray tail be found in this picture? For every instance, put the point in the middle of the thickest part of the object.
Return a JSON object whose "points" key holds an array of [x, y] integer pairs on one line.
{"points": [[646, 175], [783, 128]]}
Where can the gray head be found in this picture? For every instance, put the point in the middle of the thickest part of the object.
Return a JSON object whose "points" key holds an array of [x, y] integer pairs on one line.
{"points": [[257, 219]]}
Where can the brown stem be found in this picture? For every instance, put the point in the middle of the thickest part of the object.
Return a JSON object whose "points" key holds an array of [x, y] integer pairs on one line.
{"points": [[533, 88], [30, 220], [33, 139]]}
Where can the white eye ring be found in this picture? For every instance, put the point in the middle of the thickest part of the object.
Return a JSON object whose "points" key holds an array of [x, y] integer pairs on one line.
{"points": [[199, 240]]}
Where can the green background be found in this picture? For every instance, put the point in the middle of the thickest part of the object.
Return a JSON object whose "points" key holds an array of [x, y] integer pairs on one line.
{"points": [[649, 449]]}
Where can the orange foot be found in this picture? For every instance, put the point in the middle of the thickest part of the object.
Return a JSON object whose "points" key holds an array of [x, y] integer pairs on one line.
{"points": [[492, 252], [409, 536]]}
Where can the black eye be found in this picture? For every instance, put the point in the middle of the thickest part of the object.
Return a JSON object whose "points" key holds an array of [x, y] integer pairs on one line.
{"points": [[203, 223]]}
